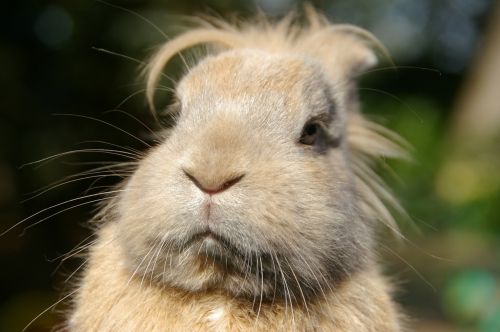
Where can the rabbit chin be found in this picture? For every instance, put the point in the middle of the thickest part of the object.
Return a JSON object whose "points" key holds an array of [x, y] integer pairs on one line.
{"points": [[209, 263]]}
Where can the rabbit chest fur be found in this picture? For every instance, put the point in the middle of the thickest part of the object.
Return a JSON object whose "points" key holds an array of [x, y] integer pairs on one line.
{"points": [[256, 212]]}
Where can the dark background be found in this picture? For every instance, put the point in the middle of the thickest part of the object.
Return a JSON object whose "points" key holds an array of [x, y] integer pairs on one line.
{"points": [[50, 64]]}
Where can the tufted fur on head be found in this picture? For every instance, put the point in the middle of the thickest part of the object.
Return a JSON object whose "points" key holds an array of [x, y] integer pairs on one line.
{"points": [[264, 186]]}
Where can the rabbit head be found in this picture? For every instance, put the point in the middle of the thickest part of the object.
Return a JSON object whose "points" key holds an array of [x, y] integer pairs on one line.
{"points": [[258, 188]]}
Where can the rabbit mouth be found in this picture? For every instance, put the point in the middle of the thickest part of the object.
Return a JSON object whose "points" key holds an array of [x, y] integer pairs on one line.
{"points": [[207, 235], [212, 244]]}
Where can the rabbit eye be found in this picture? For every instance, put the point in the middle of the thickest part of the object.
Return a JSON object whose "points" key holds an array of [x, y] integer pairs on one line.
{"points": [[309, 133]]}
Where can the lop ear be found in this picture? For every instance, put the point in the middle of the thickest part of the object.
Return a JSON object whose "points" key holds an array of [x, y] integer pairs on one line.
{"points": [[345, 50]]}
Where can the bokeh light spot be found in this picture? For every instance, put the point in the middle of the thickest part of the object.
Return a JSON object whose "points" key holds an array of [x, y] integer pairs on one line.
{"points": [[54, 26], [469, 294]]}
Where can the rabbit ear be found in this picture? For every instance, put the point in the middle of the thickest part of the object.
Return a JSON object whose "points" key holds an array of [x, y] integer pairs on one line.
{"points": [[345, 50]]}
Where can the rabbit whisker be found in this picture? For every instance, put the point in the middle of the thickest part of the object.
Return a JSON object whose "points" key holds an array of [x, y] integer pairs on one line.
{"points": [[138, 266], [56, 205], [43, 161], [76, 270], [298, 285], [104, 122], [414, 269], [49, 308]]}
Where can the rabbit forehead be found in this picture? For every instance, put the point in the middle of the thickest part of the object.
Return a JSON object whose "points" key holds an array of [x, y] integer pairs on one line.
{"points": [[259, 81]]}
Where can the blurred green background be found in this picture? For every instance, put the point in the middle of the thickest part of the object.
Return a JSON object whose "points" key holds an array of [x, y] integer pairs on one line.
{"points": [[443, 99]]}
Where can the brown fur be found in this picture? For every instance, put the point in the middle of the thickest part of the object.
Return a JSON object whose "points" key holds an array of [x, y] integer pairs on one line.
{"points": [[291, 239]]}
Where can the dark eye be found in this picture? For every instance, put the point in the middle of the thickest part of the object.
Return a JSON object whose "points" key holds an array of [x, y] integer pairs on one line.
{"points": [[309, 133]]}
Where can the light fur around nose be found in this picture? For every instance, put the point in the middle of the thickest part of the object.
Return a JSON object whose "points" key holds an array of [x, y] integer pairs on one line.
{"points": [[214, 163]]}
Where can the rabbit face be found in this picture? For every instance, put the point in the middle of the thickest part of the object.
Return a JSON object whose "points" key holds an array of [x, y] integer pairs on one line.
{"points": [[251, 193]]}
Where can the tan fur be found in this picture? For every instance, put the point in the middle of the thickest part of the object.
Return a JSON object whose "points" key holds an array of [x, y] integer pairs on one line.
{"points": [[290, 244], [110, 301]]}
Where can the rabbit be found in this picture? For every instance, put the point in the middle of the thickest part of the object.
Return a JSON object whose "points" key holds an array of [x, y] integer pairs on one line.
{"points": [[257, 210]]}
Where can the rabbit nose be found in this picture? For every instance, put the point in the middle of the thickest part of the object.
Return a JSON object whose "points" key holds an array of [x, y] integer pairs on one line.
{"points": [[213, 189]]}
